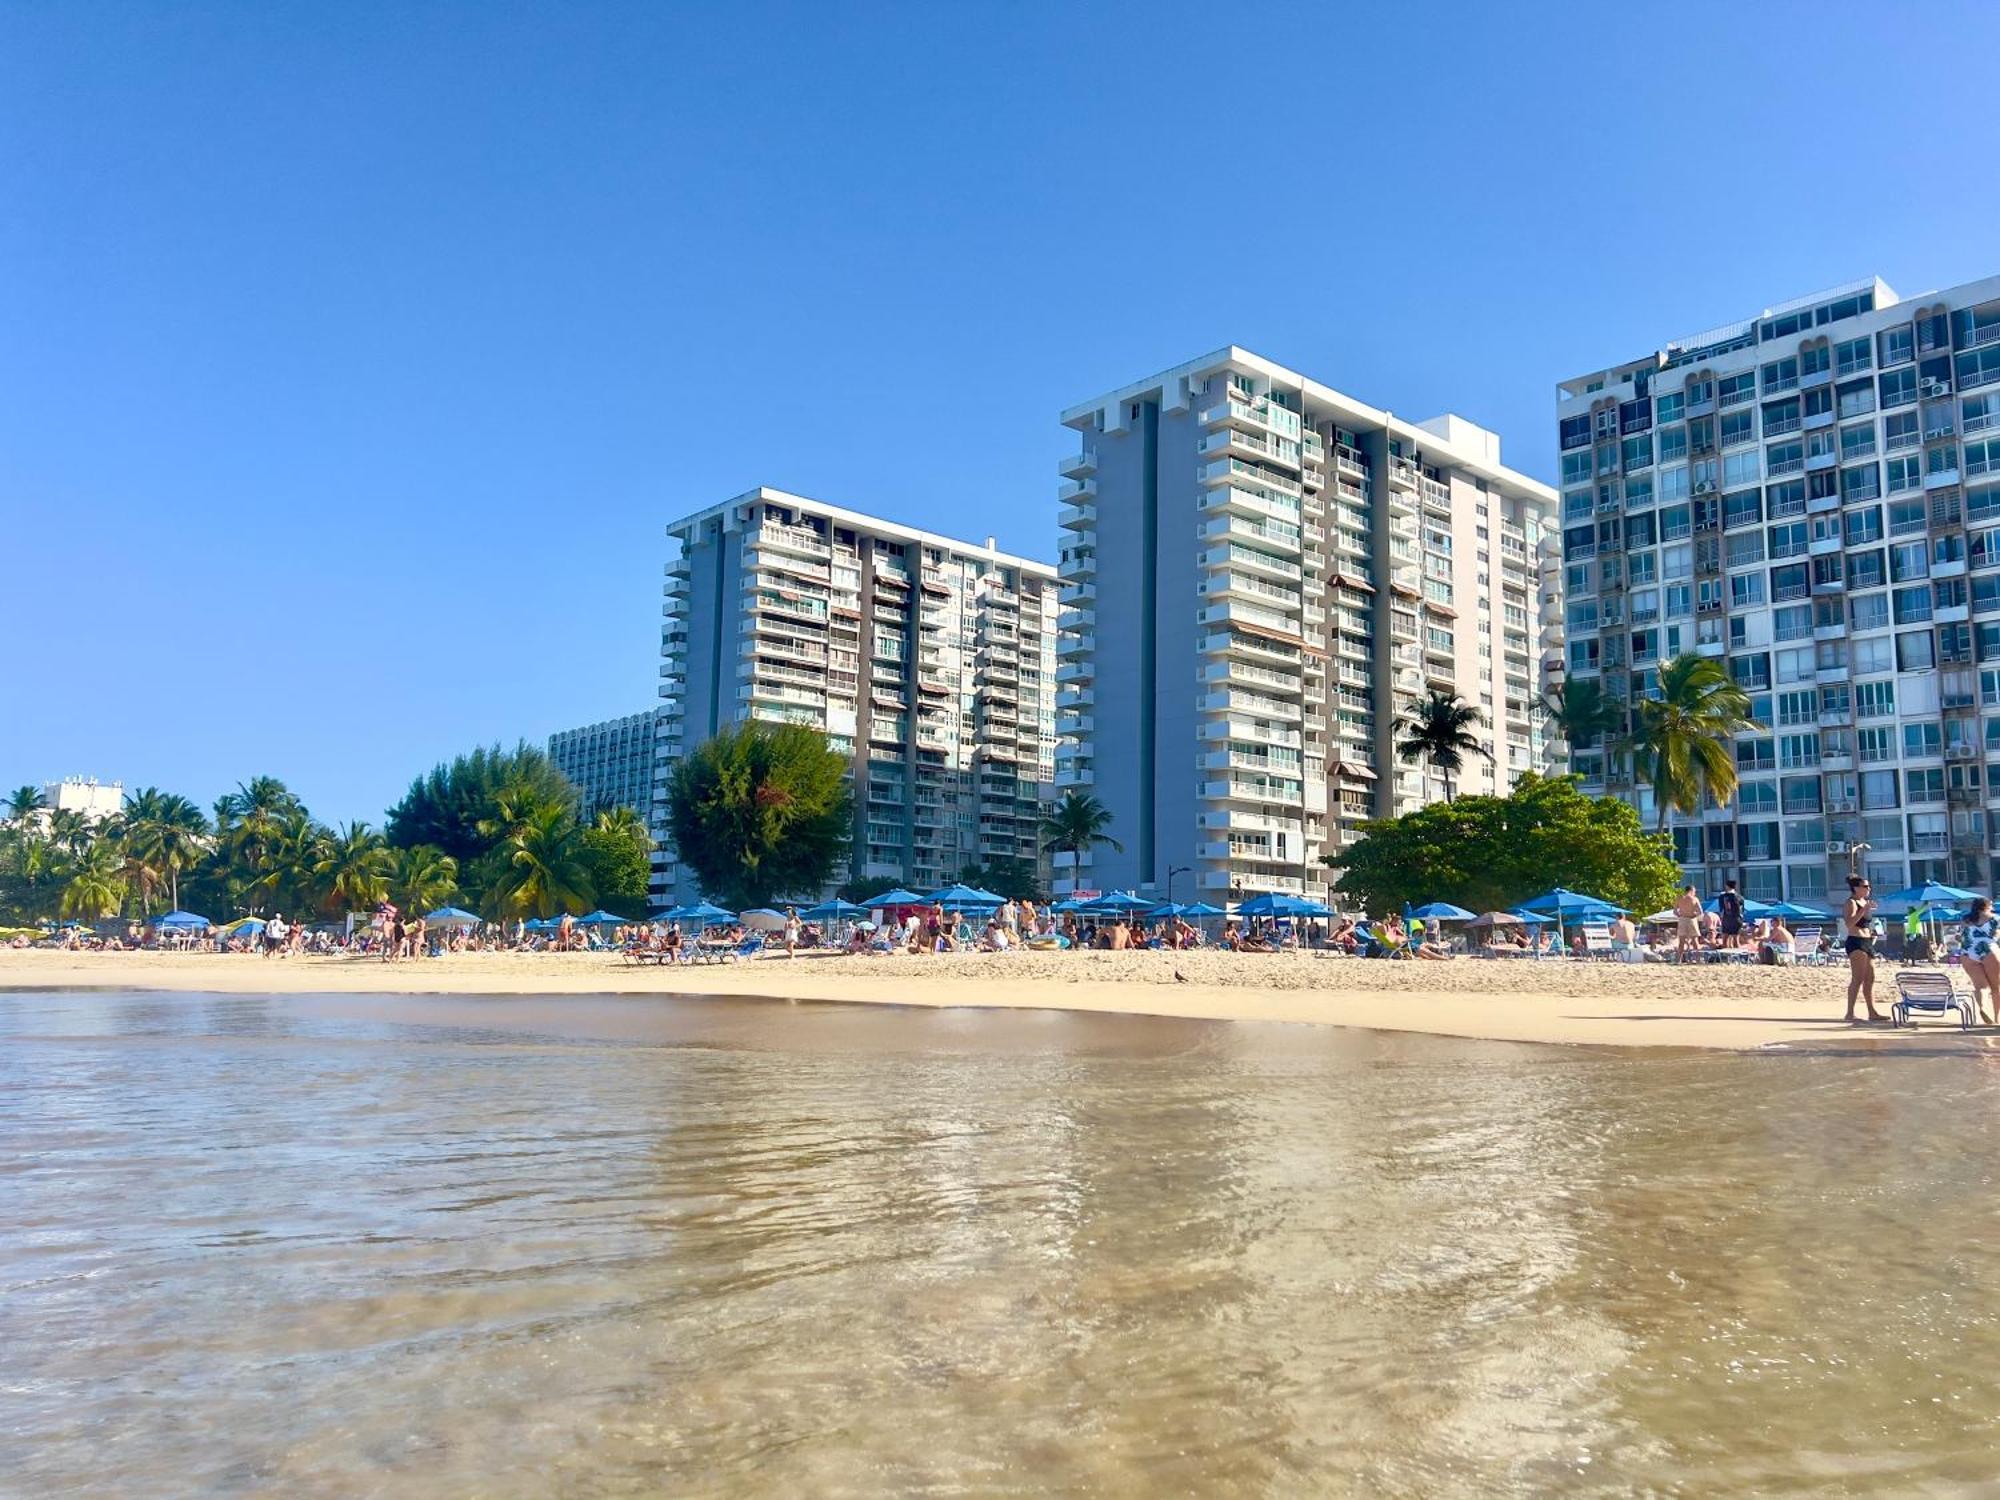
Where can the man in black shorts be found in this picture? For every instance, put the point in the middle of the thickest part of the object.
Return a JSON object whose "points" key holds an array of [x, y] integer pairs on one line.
{"points": [[1729, 907]]}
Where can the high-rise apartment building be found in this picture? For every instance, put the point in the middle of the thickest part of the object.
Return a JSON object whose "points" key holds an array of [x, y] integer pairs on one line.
{"points": [[929, 661], [1811, 496], [1258, 573], [610, 763]]}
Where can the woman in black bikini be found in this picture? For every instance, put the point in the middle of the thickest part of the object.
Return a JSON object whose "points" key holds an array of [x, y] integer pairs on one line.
{"points": [[1857, 926]]}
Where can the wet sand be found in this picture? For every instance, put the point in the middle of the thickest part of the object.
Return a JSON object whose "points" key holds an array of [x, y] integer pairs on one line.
{"points": [[1733, 1007]]}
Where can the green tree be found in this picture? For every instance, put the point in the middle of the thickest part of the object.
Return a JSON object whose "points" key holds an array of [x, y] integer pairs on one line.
{"points": [[164, 835], [761, 812], [1006, 876], [422, 878], [1077, 824], [615, 854], [24, 802], [1583, 712], [447, 807], [539, 868], [1487, 853], [1439, 728], [96, 885], [1681, 739], [353, 869]]}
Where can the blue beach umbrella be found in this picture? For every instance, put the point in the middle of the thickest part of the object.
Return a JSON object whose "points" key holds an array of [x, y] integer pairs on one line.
{"points": [[1277, 905], [1169, 909], [450, 916], [835, 910], [1443, 911], [963, 898], [1797, 911], [1754, 910], [897, 897], [1930, 893], [600, 918], [1201, 909], [707, 914], [1119, 901], [179, 921]]}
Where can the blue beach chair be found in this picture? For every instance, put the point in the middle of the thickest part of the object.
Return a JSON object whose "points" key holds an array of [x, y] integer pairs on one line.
{"points": [[1931, 991]]}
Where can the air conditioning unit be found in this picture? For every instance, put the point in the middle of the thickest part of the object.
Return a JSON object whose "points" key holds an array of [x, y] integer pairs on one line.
{"points": [[1841, 805], [1930, 385], [1959, 752], [1836, 846], [1705, 487]]}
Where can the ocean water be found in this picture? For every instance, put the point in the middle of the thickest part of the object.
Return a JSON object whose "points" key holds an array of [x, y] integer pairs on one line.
{"points": [[525, 1247]]}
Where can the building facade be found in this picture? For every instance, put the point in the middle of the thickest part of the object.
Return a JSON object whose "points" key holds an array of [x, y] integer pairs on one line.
{"points": [[1811, 496], [929, 661], [95, 800], [1258, 573], [611, 763]]}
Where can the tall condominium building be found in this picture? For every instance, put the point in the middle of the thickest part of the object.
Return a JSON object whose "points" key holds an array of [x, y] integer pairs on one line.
{"points": [[930, 661], [1258, 573], [95, 800], [611, 763], [1812, 496]]}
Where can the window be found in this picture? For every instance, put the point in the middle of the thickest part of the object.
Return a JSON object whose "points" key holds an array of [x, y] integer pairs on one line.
{"points": [[1818, 360], [1744, 548], [1739, 427], [1862, 526], [1788, 539], [1868, 611], [1862, 482], [1637, 452], [1905, 472], [1899, 430], [1734, 390], [1977, 367], [1576, 467], [1896, 387], [1909, 561], [1856, 399], [1916, 651], [1982, 458], [1781, 375], [1643, 567], [1745, 590], [1874, 745], [1742, 468], [1921, 740], [1753, 671], [1794, 622], [1872, 700], [1913, 605], [1896, 346], [1678, 601], [1857, 442], [1745, 508], [1923, 786], [1575, 432], [1851, 357], [1677, 521], [1673, 443], [1784, 458], [1981, 413], [1781, 500], [1755, 755], [1700, 393]]}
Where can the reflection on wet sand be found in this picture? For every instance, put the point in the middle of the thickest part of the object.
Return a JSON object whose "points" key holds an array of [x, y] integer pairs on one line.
{"points": [[453, 1246]]}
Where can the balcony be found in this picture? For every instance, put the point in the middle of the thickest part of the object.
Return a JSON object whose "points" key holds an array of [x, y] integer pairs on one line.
{"points": [[1077, 518], [1077, 465]]}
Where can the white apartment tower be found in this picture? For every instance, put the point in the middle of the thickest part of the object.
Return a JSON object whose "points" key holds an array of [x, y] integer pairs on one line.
{"points": [[1258, 572], [930, 661], [1812, 496], [611, 763]]}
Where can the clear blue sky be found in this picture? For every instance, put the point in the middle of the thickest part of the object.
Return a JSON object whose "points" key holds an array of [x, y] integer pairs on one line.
{"points": [[355, 355]]}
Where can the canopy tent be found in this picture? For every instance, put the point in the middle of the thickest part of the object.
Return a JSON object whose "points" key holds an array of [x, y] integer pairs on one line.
{"points": [[1276, 905], [1442, 911], [450, 916], [183, 921], [897, 897]]}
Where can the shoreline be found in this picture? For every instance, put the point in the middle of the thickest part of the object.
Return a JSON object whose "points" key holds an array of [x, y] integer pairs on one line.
{"points": [[1710, 1006]]}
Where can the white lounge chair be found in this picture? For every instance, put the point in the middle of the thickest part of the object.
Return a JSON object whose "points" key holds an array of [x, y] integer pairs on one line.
{"points": [[1929, 990]]}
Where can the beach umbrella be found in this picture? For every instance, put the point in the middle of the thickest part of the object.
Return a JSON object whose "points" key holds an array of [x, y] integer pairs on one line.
{"points": [[1796, 910], [598, 918], [1070, 903], [541, 924], [707, 914], [1492, 919], [1277, 905], [1115, 901], [180, 921], [897, 897], [1442, 911], [1930, 893], [450, 916], [1567, 905], [835, 910], [1754, 910], [243, 926], [1169, 909], [963, 898], [762, 919], [1201, 909]]}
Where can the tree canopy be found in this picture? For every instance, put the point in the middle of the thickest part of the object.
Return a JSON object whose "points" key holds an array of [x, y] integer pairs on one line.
{"points": [[448, 806], [761, 813], [1487, 853]]}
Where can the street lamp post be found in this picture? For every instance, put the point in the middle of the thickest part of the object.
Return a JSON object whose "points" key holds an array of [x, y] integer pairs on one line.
{"points": [[1172, 871]]}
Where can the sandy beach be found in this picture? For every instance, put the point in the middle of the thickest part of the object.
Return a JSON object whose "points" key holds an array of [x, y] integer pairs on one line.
{"points": [[1735, 1007]]}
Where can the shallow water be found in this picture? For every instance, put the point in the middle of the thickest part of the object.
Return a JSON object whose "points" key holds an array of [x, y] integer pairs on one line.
{"points": [[584, 1247]]}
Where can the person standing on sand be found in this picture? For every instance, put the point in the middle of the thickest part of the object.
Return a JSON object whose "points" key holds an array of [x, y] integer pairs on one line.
{"points": [[1687, 911], [1980, 956], [1857, 928], [1729, 907], [791, 932]]}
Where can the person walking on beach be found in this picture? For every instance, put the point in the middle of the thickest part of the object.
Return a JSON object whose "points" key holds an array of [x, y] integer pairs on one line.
{"points": [[1980, 957], [1729, 907], [1857, 929], [1687, 911], [791, 932]]}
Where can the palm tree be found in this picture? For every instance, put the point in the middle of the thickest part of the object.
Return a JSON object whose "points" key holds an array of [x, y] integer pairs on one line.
{"points": [[70, 830], [542, 870], [96, 885], [625, 821], [1681, 739], [1582, 711], [164, 834], [353, 867], [1076, 825], [423, 878], [1439, 729], [24, 802]]}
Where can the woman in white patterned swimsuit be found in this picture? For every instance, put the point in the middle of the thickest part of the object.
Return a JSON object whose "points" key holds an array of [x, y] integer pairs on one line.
{"points": [[1980, 955]]}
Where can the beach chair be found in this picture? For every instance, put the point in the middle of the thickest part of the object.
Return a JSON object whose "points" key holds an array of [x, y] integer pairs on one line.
{"points": [[1597, 941], [750, 947], [1932, 991], [1806, 945]]}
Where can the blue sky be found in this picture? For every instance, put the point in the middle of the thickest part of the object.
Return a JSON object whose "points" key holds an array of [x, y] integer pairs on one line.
{"points": [[352, 357]]}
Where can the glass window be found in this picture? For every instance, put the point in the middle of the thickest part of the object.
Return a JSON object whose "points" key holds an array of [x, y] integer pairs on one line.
{"points": [[1896, 387], [1852, 356], [1863, 526], [1857, 442], [1742, 468], [1861, 482], [1734, 390], [1868, 611], [1896, 346], [1739, 427], [1666, 408], [1916, 651]]}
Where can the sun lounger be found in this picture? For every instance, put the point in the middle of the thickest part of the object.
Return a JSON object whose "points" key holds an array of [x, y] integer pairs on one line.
{"points": [[1931, 991]]}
